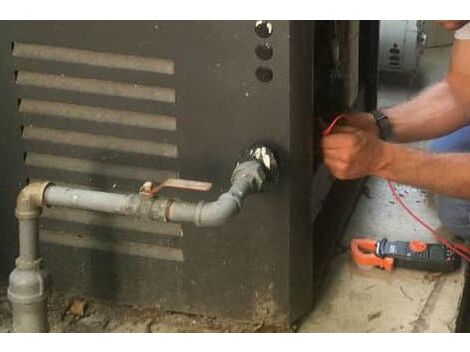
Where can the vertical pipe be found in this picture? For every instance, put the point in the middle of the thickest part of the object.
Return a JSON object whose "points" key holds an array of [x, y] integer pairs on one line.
{"points": [[28, 237], [27, 282], [29, 314]]}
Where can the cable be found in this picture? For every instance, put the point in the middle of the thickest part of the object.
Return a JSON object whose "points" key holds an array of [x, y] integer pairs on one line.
{"points": [[457, 248], [332, 124]]}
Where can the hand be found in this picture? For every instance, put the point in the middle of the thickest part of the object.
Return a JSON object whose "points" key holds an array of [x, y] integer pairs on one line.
{"points": [[361, 120], [351, 153]]}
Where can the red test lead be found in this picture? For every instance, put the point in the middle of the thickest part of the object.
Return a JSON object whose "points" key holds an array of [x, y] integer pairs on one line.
{"points": [[457, 248]]}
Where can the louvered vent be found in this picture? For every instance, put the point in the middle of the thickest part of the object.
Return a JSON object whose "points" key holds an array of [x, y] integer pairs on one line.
{"points": [[99, 120], [395, 57]]}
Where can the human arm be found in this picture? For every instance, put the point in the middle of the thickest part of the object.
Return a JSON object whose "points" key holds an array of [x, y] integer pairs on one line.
{"points": [[352, 153], [437, 111]]}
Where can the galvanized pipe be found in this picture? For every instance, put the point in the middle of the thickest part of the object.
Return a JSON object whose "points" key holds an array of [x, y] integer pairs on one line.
{"points": [[27, 293], [247, 177], [125, 204], [28, 238], [27, 285], [218, 212], [27, 282]]}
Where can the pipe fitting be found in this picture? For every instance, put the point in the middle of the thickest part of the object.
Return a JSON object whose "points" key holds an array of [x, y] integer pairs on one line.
{"points": [[159, 209], [27, 282], [27, 293], [30, 200], [265, 157], [253, 172], [257, 165], [218, 212], [248, 177]]}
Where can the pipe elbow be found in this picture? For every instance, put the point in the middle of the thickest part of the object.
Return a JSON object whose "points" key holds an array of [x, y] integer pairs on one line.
{"points": [[30, 200], [218, 212]]}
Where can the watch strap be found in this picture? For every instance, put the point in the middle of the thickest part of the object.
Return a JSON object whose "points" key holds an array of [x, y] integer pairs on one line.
{"points": [[383, 124]]}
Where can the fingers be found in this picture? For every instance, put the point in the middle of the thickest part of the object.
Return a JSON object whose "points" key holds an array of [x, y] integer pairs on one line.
{"points": [[347, 151], [337, 128], [344, 153], [338, 162], [340, 141], [345, 129], [330, 154], [362, 121], [338, 168]]}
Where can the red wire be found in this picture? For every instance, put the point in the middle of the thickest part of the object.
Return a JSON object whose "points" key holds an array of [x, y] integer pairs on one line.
{"points": [[457, 248], [332, 124]]}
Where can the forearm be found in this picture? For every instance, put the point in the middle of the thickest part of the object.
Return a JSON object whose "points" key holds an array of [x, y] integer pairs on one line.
{"points": [[440, 109], [447, 174], [435, 112]]}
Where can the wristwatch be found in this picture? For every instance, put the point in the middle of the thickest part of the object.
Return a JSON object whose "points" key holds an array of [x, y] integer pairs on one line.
{"points": [[383, 124]]}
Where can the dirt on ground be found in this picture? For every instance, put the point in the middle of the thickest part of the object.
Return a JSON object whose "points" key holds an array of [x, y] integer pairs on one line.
{"points": [[80, 314]]}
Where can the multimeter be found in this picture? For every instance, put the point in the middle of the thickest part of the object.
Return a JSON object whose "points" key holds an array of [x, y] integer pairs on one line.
{"points": [[419, 255], [411, 255]]}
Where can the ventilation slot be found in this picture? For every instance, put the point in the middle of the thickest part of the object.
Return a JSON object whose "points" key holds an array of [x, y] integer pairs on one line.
{"points": [[93, 58], [95, 86], [119, 247], [76, 139], [92, 167], [394, 58], [99, 115], [100, 127]]}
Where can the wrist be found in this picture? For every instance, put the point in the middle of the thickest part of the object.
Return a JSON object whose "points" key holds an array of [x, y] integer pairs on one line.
{"points": [[384, 160], [364, 121], [383, 125], [372, 125]]}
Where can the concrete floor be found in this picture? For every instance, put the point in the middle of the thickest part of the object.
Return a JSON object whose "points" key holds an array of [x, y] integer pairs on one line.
{"points": [[353, 299], [370, 300]]}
